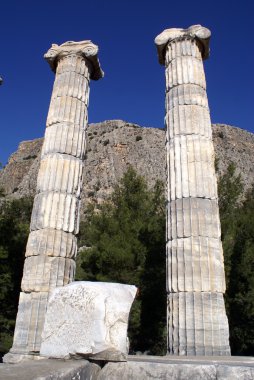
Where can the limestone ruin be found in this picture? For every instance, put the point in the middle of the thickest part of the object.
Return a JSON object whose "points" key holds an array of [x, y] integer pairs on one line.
{"points": [[197, 322], [52, 244]]}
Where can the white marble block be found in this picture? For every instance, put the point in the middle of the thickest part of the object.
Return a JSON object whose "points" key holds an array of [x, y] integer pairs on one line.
{"points": [[85, 318]]}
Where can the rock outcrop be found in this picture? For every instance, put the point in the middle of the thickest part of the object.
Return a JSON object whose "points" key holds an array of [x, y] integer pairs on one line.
{"points": [[115, 144]]}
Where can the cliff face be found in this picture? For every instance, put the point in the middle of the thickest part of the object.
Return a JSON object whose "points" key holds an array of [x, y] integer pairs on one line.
{"points": [[115, 144]]}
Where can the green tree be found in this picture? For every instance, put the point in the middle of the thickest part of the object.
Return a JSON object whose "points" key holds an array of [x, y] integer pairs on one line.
{"points": [[14, 229], [123, 243], [230, 189], [240, 292], [237, 224], [153, 311]]}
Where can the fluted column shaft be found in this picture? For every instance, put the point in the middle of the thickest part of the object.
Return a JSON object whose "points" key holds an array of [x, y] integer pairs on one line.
{"points": [[52, 244], [197, 322]]}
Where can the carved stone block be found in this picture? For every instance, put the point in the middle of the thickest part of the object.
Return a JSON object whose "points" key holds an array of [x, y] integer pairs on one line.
{"points": [[55, 210], [197, 324], [43, 273], [195, 264], [51, 242], [60, 173], [182, 48], [193, 217], [185, 70], [29, 322], [65, 138], [188, 120], [188, 94], [67, 109], [190, 165], [70, 83]]}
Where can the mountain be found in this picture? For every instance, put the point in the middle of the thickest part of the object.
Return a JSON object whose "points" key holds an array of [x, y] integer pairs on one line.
{"points": [[112, 146]]}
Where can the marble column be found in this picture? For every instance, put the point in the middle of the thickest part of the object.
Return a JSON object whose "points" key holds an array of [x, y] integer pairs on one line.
{"points": [[196, 319], [52, 243]]}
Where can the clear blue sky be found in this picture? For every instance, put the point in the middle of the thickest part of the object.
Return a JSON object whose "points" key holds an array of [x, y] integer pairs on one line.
{"points": [[133, 86]]}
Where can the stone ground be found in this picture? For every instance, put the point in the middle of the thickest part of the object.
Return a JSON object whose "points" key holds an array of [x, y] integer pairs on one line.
{"points": [[137, 368]]}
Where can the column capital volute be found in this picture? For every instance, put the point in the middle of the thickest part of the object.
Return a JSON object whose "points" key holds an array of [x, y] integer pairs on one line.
{"points": [[194, 32], [84, 49]]}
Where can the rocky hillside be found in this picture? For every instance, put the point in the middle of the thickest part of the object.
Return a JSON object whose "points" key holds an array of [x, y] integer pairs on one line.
{"points": [[115, 144]]}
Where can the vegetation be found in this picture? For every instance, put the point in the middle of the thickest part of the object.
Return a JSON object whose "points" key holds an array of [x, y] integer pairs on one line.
{"points": [[125, 241], [237, 221], [14, 228]]}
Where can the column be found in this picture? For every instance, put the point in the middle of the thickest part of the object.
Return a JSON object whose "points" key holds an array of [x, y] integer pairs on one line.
{"points": [[196, 319], [52, 243]]}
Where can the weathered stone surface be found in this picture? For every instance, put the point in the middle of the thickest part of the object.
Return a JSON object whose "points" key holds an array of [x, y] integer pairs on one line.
{"points": [[195, 264], [65, 138], [87, 318], [29, 322], [23, 163], [56, 210], [68, 110], [195, 368], [197, 322], [193, 217], [51, 242], [71, 83], [50, 370], [188, 94], [190, 166], [187, 120], [60, 173], [185, 70], [138, 368], [144, 371], [109, 355], [43, 273], [234, 373]]}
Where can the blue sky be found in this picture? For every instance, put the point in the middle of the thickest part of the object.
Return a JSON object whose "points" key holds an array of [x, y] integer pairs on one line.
{"points": [[133, 86]]}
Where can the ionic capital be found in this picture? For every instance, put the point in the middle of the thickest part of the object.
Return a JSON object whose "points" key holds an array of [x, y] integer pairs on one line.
{"points": [[84, 49], [194, 32]]}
